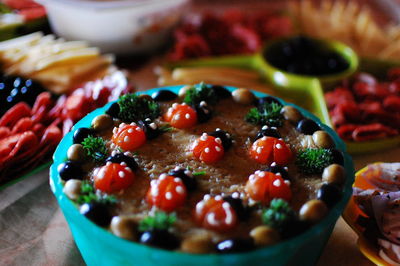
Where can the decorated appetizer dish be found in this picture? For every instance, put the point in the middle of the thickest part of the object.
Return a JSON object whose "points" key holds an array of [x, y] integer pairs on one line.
{"points": [[201, 169], [373, 212]]}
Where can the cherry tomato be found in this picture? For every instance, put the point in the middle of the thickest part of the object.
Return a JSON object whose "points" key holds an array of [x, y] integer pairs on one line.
{"points": [[216, 214], [208, 149], [264, 186], [113, 177], [167, 193], [181, 116], [129, 137], [269, 149]]}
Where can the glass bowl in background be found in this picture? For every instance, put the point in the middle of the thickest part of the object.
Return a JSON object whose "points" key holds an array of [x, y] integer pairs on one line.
{"points": [[117, 26]]}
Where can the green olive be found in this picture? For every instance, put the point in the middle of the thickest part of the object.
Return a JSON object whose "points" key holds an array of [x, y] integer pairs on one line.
{"points": [[76, 153], [198, 244], [102, 122], [264, 235], [243, 96], [322, 139], [72, 188], [334, 173], [291, 114], [313, 211], [124, 227], [183, 90]]}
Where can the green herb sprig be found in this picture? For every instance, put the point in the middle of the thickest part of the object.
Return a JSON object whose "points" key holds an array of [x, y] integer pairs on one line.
{"points": [[313, 161], [88, 195], [159, 221], [95, 148], [201, 173], [134, 108], [278, 215], [266, 114], [199, 93]]}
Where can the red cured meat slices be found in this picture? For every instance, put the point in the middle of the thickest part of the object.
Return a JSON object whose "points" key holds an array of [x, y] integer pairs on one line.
{"points": [[28, 136], [365, 109], [232, 32]]}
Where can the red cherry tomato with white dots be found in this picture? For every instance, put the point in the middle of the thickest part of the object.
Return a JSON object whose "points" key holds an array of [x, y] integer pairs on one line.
{"points": [[167, 193], [208, 149], [113, 177], [264, 186], [128, 137], [216, 214], [181, 116], [267, 150]]}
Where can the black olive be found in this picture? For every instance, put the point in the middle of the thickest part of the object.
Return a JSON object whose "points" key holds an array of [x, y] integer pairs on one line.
{"points": [[120, 157], [113, 111], [302, 55], [337, 156], [221, 92], [164, 96], [97, 213], [81, 133], [204, 113], [330, 194], [150, 128], [267, 99], [159, 238], [189, 182], [235, 245], [70, 170], [274, 168], [267, 132], [242, 212], [225, 137], [293, 228], [307, 126]]}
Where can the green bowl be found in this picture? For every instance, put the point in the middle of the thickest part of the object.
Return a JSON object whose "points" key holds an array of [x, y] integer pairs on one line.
{"points": [[100, 247], [308, 91]]}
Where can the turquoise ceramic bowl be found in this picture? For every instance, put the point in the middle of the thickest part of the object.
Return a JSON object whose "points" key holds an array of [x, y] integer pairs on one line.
{"points": [[100, 247]]}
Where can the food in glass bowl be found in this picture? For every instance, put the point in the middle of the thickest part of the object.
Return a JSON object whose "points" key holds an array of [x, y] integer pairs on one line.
{"points": [[205, 170]]}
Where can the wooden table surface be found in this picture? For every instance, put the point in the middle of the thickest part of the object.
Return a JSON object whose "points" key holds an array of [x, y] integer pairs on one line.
{"points": [[33, 230]]}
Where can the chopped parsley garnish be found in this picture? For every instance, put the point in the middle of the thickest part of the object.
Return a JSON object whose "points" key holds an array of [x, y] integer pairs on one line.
{"points": [[266, 114], [134, 108], [88, 195], [95, 148], [199, 93], [159, 221], [278, 215], [165, 128], [199, 173], [313, 161]]}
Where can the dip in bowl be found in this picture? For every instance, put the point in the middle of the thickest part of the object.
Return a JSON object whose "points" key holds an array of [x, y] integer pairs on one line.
{"points": [[234, 237]]}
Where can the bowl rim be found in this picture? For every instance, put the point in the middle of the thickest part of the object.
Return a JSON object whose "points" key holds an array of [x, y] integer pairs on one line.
{"points": [[111, 4], [334, 213]]}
